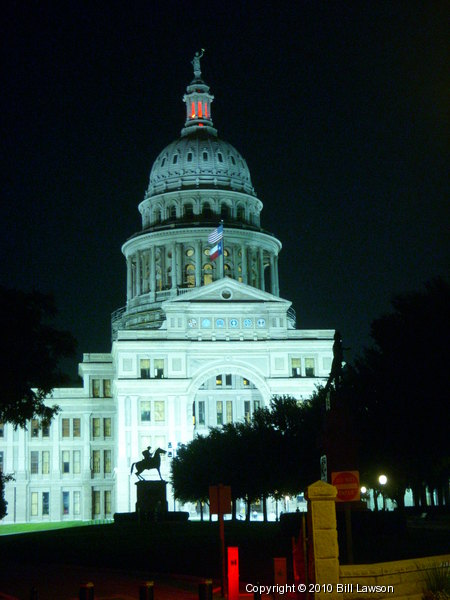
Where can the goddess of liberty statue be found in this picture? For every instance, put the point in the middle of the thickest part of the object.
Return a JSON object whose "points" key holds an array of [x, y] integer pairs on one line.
{"points": [[196, 63]]}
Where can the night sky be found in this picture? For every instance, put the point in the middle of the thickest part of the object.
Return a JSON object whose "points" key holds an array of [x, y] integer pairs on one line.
{"points": [[339, 108]]}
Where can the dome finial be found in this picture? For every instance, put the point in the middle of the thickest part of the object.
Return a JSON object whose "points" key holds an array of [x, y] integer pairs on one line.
{"points": [[196, 63]]}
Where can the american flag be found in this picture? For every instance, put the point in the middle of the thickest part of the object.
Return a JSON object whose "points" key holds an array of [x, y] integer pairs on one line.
{"points": [[216, 235]]}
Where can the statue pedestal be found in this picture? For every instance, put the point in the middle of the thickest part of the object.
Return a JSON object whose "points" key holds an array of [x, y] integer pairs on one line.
{"points": [[151, 500]]}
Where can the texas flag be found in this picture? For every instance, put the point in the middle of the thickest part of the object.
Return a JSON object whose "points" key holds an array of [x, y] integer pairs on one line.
{"points": [[216, 251]]}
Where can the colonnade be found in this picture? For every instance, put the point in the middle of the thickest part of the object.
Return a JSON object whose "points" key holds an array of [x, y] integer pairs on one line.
{"points": [[151, 270]]}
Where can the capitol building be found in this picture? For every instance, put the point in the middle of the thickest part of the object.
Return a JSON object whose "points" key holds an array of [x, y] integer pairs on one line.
{"points": [[204, 338]]}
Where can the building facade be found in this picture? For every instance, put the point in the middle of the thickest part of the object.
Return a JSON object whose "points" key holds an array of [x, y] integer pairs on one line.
{"points": [[199, 343]]}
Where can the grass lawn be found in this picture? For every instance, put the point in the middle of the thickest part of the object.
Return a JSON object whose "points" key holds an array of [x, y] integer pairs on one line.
{"points": [[28, 527]]}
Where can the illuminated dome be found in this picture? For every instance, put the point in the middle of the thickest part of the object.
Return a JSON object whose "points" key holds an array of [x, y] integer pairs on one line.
{"points": [[199, 159]]}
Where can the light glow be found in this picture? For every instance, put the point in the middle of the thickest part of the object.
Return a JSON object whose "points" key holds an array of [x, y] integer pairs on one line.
{"points": [[193, 111], [382, 479], [199, 104]]}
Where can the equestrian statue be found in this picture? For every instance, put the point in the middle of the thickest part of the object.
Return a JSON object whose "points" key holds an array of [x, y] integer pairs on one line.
{"points": [[148, 462]]}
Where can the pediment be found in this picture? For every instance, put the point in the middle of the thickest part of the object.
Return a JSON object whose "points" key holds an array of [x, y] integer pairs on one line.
{"points": [[225, 290]]}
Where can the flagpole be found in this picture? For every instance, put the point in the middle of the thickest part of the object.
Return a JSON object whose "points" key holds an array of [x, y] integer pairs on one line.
{"points": [[222, 267]]}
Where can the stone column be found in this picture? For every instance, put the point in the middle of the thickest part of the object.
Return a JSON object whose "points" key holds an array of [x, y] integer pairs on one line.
{"points": [[174, 266], [272, 275], [138, 273], [152, 274], [198, 263], [129, 279], [179, 257], [322, 525], [244, 263], [262, 285], [277, 283]]}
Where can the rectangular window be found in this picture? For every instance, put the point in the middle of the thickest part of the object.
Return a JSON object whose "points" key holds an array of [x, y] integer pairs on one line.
{"points": [[107, 388], [96, 427], [66, 461], [65, 427], [160, 411], [77, 462], [229, 411], [296, 367], [256, 405], [201, 412], [247, 411], [145, 411], [2, 459], [66, 502], [95, 503], [46, 431], [2, 429], [144, 365], [96, 388], [96, 461], [218, 380], [76, 503], [45, 503], [219, 408], [108, 508], [107, 427], [34, 428], [76, 424], [159, 368], [34, 462], [309, 367], [46, 462], [228, 380], [107, 461], [34, 504], [245, 382]]}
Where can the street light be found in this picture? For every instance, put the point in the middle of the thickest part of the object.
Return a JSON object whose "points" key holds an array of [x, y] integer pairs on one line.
{"points": [[382, 479]]}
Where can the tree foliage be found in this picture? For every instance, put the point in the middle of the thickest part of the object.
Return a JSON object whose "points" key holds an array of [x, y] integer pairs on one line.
{"points": [[30, 349]]}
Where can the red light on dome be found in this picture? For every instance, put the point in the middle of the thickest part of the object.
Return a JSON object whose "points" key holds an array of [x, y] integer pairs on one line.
{"points": [[193, 111], [199, 109], [200, 124], [206, 111]]}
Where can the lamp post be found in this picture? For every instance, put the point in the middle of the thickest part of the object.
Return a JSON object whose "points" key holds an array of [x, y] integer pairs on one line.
{"points": [[382, 480]]}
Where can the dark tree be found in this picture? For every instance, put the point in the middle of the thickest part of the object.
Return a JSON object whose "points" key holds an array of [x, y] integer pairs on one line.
{"points": [[30, 349]]}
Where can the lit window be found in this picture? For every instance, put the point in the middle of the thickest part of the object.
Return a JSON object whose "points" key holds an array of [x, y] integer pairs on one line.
{"points": [[193, 110], [77, 462], [245, 382], [107, 461], [247, 411], [144, 364], [199, 107], [107, 388], [107, 427], [34, 465], [34, 504], [160, 410], [95, 502], [190, 275], [66, 427], [34, 428], [309, 367], [66, 502], [76, 424], [201, 412], [219, 408], [96, 427], [207, 274], [145, 411], [229, 411], [45, 503], [96, 388], [45, 462], [65, 461], [159, 368], [190, 252], [96, 461], [218, 380], [296, 367], [108, 508]]}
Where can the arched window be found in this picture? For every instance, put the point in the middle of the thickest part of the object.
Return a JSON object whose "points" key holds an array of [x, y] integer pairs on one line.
{"points": [[163, 162], [227, 270], [224, 211], [233, 161], [188, 210], [189, 157], [175, 159], [205, 155], [206, 209], [207, 274], [220, 157], [173, 212], [240, 213], [158, 278], [189, 275]]}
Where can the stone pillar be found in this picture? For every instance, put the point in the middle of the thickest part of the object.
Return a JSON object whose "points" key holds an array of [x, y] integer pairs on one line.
{"points": [[322, 527], [138, 273], [244, 263], [272, 275], [277, 283], [198, 263], [261, 270], [174, 266], [180, 263], [129, 278], [152, 274]]}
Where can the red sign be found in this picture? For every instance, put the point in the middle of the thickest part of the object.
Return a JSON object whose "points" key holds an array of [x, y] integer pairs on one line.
{"points": [[233, 573], [219, 499], [347, 484]]}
